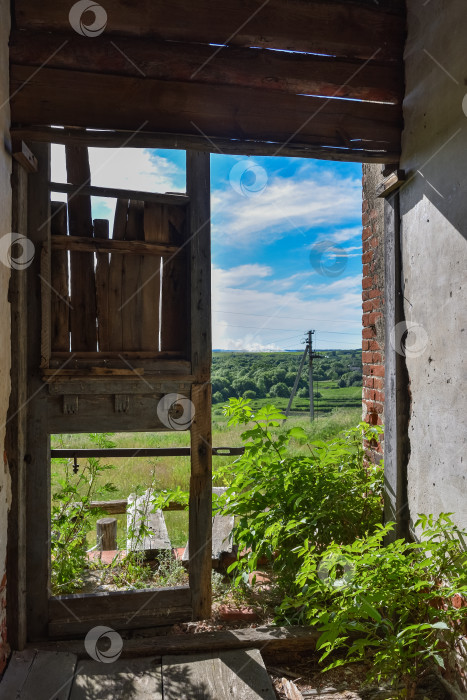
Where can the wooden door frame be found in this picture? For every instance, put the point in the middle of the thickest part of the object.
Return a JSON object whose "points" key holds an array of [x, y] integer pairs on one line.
{"points": [[29, 566]]}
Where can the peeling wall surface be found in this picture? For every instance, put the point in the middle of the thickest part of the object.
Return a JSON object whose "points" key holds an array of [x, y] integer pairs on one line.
{"points": [[5, 225], [373, 335], [434, 255]]}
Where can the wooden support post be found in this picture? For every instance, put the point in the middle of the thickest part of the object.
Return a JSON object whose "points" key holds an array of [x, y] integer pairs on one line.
{"points": [[200, 506], [397, 400], [38, 442], [15, 441], [106, 529]]}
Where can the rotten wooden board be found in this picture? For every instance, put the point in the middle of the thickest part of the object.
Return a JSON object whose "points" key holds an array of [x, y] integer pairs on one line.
{"points": [[139, 679], [238, 674], [139, 512], [16, 674], [222, 528], [60, 297]]}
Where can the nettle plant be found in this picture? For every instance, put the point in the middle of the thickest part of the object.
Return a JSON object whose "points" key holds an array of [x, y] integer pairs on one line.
{"points": [[281, 498], [71, 517], [392, 604]]}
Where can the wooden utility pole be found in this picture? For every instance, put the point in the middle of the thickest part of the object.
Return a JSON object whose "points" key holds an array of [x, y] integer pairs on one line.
{"points": [[295, 386], [310, 374]]}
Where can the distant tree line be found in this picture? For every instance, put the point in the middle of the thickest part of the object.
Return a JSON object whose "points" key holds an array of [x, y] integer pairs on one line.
{"points": [[264, 375]]}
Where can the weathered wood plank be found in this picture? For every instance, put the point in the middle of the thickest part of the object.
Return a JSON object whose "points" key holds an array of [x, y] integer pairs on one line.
{"points": [[16, 674], [222, 527], [293, 73], [268, 638], [132, 312], [16, 426], [239, 674], [363, 153], [60, 297], [50, 676], [115, 279], [83, 290], [200, 504], [199, 188], [77, 614], [355, 28], [139, 679], [38, 445], [176, 199], [101, 232], [138, 514], [107, 101]]}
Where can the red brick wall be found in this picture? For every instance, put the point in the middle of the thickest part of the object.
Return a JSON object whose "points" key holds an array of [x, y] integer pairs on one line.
{"points": [[373, 304]]}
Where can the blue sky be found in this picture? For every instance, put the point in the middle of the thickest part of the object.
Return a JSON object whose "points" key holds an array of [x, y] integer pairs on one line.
{"points": [[286, 241]]}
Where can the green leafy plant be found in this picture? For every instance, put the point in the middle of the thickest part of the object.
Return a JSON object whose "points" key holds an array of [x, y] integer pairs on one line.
{"points": [[392, 603], [71, 517], [280, 498]]}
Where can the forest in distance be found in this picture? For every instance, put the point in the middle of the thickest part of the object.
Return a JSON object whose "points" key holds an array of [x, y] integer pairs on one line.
{"points": [[269, 378]]}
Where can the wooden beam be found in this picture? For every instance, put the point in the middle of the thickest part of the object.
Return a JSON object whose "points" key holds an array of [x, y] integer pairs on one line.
{"points": [[94, 191], [76, 614], [16, 426], [38, 453], [293, 73], [241, 146], [52, 96], [341, 28], [268, 638], [100, 245]]}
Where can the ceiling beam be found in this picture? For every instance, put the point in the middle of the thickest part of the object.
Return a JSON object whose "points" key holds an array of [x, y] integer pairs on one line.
{"points": [[348, 28], [53, 96], [181, 62]]}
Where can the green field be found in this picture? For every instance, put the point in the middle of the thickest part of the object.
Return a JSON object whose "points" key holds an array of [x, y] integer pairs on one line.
{"points": [[336, 408]]}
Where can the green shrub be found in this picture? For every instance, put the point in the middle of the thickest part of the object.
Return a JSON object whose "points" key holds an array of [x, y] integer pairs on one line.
{"points": [[280, 499], [389, 603]]}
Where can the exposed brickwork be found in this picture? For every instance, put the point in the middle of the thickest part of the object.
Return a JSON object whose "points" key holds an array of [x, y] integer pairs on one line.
{"points": [[373, 305]]}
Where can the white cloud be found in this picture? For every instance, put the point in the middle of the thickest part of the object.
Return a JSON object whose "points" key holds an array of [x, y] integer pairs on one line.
{"points": [[271, 317], [286, 204]]}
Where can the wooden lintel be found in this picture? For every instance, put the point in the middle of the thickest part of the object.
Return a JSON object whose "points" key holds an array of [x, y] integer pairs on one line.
{"points": [[95, 245], [112, 192], [112, 138]]}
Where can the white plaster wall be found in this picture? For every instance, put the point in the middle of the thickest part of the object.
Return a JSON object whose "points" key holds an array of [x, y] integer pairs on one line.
{"points": [[434, 245], [5, 226]]}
